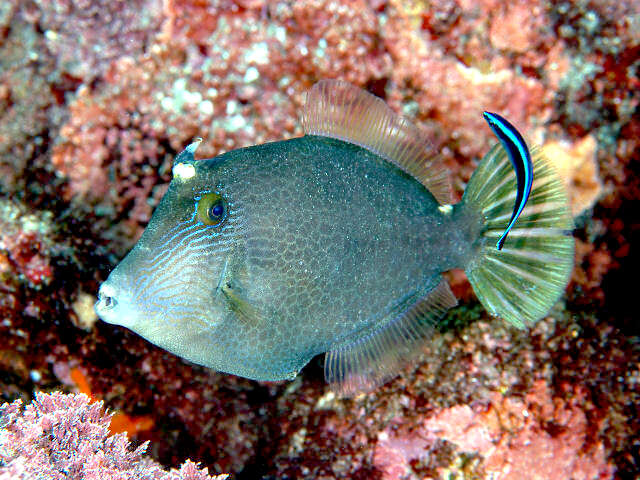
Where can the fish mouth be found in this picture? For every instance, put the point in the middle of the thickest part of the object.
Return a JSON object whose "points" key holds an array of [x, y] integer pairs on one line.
{"points": [[114, 304], [106, 299]]}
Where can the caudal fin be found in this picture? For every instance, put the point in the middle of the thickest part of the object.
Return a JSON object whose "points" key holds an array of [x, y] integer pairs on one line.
{"points": [[522, 281]]}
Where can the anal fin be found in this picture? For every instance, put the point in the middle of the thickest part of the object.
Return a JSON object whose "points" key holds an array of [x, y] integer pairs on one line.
{"points": [[376, 356]]}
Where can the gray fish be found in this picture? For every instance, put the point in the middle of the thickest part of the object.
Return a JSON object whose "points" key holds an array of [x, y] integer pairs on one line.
{"points": [[261, 258]]}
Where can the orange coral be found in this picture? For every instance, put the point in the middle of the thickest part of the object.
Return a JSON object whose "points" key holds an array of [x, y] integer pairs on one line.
{"points": [[120, 422]]}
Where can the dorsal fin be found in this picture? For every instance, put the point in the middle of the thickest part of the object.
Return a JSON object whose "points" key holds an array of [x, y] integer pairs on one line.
{"points": [[340, 110], [377, 355]]}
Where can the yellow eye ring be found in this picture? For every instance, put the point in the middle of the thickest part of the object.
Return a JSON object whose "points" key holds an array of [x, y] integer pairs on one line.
{"points": [[212, 209]]}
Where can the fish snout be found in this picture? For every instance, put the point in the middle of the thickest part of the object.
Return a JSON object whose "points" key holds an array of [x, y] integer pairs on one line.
{"points": [[106, 299], [111, 304]]}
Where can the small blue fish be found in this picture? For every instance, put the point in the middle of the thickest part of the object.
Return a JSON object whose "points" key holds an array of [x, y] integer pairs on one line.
{"points": [[261, 258], [520, 158]]}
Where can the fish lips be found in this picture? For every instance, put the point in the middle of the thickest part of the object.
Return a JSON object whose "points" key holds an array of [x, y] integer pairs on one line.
{"points": [[113, 305]]}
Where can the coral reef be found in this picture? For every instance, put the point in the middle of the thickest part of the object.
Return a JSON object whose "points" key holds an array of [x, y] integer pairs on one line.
{"points": [[513, 434], [97, 97], [61, 436], [26, 239]]}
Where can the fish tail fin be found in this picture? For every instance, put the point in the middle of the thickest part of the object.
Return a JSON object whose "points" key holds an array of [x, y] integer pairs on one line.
{"points": [[526, 277]]}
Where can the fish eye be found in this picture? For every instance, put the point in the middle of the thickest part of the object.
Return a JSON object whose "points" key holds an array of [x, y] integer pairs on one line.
{"points": [[212, 209]]}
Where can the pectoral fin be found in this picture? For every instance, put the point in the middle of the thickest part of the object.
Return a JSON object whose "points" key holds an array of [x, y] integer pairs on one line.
{"points": [[239, 304]]}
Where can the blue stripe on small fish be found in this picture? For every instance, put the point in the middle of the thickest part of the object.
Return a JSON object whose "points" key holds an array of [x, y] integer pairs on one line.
{"points": [[520, 158]]}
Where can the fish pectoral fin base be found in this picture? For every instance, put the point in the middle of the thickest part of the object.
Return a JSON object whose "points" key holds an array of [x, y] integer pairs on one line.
{"points": [[243, 308], [337, 109], [377, 355]]}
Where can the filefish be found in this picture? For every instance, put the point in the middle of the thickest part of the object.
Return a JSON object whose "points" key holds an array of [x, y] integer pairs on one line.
{"points": [[335, 242]]}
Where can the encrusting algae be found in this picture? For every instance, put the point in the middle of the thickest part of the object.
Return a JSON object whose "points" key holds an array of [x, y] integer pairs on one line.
{"points": [[261, 258]]}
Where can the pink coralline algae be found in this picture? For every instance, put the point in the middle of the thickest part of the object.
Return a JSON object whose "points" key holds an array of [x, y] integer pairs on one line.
{"points": [[25, 245], [512, 436], [61, 436], [86, 35]]}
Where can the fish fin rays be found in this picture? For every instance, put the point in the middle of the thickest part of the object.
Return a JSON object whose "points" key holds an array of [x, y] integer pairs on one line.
{"points": [[240, 305], [374, 357], [522, 281], [186, 155], [343, 111]]}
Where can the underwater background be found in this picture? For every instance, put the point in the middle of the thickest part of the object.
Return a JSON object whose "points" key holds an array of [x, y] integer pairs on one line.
{"points": [[96, 97]]}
